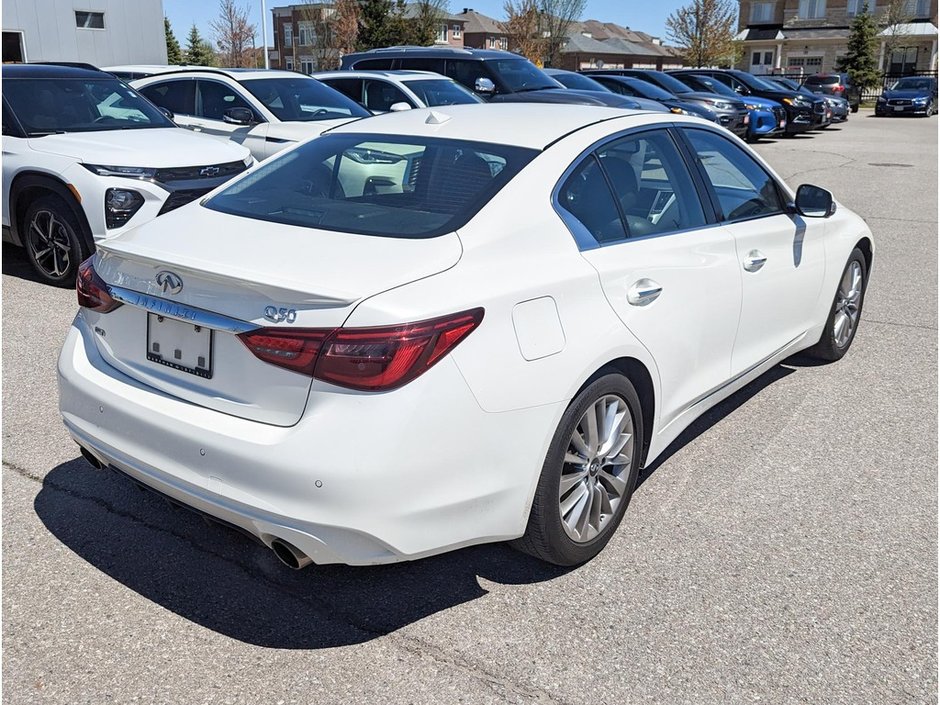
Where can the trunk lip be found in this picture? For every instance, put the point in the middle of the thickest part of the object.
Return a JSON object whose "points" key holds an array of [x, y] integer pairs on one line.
{"points": [[180, 312]]}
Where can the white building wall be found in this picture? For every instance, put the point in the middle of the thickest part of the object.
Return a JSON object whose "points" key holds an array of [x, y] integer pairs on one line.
{"points": [[133, 32]]}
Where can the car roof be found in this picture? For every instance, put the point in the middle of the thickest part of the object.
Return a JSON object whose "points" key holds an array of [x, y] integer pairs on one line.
{"points": [[437, 52], [52, 71], [234, 74], [531, 125], [401, 75]]}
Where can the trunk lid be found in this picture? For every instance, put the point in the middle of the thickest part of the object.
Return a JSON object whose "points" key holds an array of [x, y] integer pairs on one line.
{"points": [[232, 270]]}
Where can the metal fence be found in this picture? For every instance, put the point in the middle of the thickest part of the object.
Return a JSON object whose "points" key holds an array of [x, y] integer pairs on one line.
{"points": [[869, 94]]}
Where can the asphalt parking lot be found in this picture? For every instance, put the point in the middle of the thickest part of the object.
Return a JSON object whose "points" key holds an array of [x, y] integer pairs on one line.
{"points": [[784, 550]]}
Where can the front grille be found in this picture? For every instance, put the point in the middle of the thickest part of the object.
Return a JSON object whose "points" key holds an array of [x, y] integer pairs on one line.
{"points": [[819, 107], [189, 173], [900, 101], [181, 198]]}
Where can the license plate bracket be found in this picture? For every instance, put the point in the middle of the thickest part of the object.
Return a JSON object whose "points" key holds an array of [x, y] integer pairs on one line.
{"points": [[183, 346]]}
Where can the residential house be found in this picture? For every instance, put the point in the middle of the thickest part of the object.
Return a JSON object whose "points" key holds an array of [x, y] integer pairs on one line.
{"points": [[595, 45], [809, 36], [482, 32]]}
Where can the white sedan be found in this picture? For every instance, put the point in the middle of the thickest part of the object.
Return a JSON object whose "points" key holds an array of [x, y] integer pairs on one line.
{"points": [[451, 326]]}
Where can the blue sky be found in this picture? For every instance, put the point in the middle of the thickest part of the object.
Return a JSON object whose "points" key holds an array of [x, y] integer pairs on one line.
{"points": [[646, 16]]}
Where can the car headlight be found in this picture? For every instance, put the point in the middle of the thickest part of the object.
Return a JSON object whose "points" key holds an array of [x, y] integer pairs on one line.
{"points": [[679, 111], [130, 172], [752, 106], [722, 105], [920, 99], [120, 204]]}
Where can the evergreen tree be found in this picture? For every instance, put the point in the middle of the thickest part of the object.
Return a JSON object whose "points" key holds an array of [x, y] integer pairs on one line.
{"points": [[382, 23], [198, 51], [861, 60], [174, 55]]}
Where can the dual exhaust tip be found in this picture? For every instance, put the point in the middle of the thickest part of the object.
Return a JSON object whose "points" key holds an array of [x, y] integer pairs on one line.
{"points": [[287, 553]]}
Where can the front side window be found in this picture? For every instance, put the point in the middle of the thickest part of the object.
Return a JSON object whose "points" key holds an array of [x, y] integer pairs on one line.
{"points": [[48, 105], [381, 96], [302, 99], [383, 185], [812, 9], [89, 20], [742, 187], [216, 97], [179, 97]]}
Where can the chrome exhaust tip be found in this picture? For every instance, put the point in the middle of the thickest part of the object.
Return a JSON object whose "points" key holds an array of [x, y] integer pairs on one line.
{"points": [[87, 455], [290, 555]]}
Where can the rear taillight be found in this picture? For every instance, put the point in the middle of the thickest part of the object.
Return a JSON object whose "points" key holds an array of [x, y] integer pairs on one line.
{"points": [[839, 89], [369, 359], [91, 289]]}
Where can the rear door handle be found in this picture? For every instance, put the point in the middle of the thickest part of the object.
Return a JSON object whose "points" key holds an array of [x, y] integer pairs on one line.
{"points": [[755, 260], [644, 292]]}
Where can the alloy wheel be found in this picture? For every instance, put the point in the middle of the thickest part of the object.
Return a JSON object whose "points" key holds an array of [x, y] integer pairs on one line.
{"points": [[50, 242], [596, 467], [847, 304]]}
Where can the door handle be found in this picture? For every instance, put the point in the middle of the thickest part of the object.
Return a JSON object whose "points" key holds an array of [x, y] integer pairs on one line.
{"points": [[755, 260], [644, 292]]}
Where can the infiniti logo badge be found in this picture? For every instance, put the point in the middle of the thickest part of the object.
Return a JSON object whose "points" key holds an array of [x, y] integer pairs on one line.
{"points": [[169, 282]]}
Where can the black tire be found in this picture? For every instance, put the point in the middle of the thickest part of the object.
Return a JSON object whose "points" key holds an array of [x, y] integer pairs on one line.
{"points": [[829, 348], [752, 139], [854, 108], [54, 247], [545, 538]]}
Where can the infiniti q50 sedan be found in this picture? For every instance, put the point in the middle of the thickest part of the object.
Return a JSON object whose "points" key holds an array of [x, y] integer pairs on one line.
{"points": [[435, 329]]}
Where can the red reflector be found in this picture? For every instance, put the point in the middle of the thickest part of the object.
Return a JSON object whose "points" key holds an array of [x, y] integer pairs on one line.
{"points": [[363, 358], [91, 290]]}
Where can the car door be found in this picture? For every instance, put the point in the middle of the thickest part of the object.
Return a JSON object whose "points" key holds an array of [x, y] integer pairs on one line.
{"points": [[213, 99], [14, 149], [781, 256], [671, 276]]}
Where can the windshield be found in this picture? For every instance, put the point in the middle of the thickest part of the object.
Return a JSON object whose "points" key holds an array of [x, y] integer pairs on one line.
{"points": [[442, 91], [579, 82], [913, 84], [761, 84], [671, 83], [302, 99], [521, 75], [711, 85], [648, 90], [385, 185], [45, 106]]}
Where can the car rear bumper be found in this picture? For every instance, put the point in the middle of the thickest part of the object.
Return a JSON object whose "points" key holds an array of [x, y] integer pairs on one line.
{"points": [[360, 479]]}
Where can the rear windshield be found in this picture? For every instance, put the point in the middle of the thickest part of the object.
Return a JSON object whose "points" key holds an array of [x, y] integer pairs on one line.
{"points": [[385, 185], [822, 80]]}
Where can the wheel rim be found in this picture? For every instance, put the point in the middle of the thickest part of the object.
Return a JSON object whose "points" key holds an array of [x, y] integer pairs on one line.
{"points": [[50, 242], [596, 468], [847, 304]]}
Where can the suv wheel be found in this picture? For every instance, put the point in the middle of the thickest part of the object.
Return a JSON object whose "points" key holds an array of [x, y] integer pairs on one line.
{"points": [[53, 240]]}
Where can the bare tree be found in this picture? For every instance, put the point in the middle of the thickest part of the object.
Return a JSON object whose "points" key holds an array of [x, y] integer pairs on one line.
{"points": [[346, 26], [522, 28], [704, 31], [425, 18], [335, 28], [556, 18], [233, 33], [891, 21]]}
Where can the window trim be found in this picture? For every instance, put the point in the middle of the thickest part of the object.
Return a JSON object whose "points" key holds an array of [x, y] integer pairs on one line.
{"points": [[579, 232], [785, 199]]}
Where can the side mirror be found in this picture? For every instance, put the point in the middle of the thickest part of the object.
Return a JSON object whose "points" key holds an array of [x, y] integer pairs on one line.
{"points": [[237, 116], [814, 202], [398, 107], [167, 113], [484, 86]]}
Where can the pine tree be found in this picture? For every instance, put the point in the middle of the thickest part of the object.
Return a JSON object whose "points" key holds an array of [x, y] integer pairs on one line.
{"points": [[382, 23], [174, 55], [198, 51], [861, 61]]}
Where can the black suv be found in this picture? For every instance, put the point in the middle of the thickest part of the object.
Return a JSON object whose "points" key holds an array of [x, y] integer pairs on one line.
{"points": [[498, 76], [803, 112]]}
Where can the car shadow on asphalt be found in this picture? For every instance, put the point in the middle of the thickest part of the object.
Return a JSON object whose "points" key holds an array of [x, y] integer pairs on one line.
{"points": [[16, 264], [223, 581]]}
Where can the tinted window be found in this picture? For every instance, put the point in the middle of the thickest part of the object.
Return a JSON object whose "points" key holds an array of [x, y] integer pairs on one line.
{"points": [[302, 99], [179, 97], [467, 72], [520, 75], [578, 82], [822, 80], [406, 187], [416, 64], [913, 84], [9, 126], [216, 97], [373, 65], [652, 184], [743, 188], [349, 87], [586, 196], [381, 96], [441, 91], [48, 105]]}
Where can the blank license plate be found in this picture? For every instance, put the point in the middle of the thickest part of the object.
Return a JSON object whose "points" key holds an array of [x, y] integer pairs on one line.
{"points": [[179, 345], [899, 107]]}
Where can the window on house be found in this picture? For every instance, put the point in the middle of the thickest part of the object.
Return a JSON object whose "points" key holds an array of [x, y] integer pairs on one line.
{"points": [[855, 7], [442, 34], [289, 63], [456, 31], [917, 8], [762, 12], [288, 35], [305, 34], [768, 58], [813, 64], [903, 60], [504, 43], [812, 9], [307, 65], [89, 20]]}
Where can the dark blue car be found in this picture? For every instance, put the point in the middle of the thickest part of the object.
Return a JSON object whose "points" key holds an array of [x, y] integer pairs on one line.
{"points": [[912, 95]]}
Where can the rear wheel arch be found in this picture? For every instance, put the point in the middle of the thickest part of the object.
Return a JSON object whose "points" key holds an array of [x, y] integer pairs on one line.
{"points": [[28, 186]]}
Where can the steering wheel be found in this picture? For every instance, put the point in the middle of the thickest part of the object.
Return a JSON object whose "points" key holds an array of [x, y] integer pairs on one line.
{"points": [[319, 111]]}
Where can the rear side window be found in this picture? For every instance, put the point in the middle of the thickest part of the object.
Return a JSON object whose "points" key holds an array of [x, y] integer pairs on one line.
{"points": [[743, 189], [586, 196], [417, 64], [349, 87], [403, 187], [179, 97], [373, 65]]}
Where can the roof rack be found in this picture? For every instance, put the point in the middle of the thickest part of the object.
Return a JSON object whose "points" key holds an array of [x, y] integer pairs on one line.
{"points": [[409, 47], [70, 64]]}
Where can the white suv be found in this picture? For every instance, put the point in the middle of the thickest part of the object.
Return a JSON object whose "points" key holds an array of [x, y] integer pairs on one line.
{"points": [[85, 157], [264, 110], [386, 91]]}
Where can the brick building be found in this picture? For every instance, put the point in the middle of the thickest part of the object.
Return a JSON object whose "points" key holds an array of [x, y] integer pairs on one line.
{"points": [[810, 36]]}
